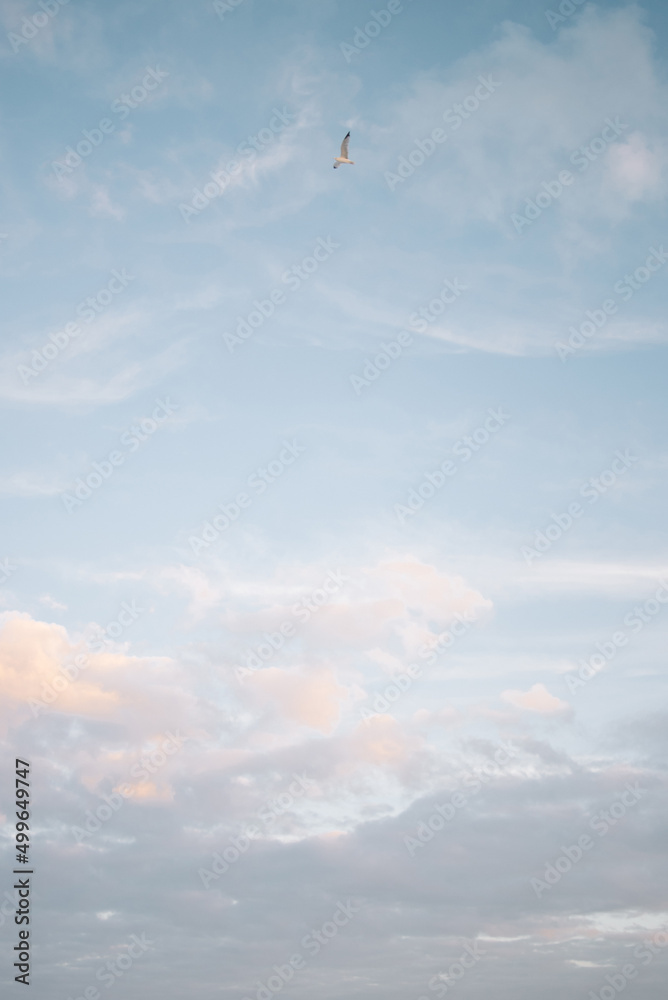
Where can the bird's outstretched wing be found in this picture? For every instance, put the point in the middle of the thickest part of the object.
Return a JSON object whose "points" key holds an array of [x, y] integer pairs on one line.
{"points": [[344, 146]]}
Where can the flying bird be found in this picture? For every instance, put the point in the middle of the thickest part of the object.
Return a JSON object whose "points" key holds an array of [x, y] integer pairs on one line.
{"points": [[343, 158]]}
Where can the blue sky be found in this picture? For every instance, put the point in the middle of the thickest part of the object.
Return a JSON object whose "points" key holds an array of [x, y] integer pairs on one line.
{"points": [[221, 400]]}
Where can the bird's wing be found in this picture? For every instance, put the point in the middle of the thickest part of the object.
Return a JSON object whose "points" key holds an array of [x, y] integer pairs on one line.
{"points": [[344, 146]]}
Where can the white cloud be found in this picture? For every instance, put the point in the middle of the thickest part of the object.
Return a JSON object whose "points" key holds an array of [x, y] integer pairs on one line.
{"points": [[31, 484]]}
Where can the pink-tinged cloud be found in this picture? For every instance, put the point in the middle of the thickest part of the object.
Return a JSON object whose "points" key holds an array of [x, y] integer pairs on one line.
{"points": [[536, 699], [402, 602], [382, 742], [31, 654], [148, 791], [312, 699], [425, 591], [44, 670]]}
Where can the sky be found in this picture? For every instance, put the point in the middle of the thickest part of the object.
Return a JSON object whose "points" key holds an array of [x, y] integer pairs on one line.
{"points": [[333, 576]]}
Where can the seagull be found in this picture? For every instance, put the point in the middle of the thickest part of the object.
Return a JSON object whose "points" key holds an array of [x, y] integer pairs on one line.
{"points": [[343, 158]]}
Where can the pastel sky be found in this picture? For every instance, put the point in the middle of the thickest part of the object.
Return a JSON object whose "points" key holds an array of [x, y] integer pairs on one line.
{"points": [[334, 581]]}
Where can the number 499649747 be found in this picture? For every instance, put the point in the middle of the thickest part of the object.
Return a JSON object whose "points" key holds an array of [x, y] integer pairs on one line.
{"points": [[22, 807]]}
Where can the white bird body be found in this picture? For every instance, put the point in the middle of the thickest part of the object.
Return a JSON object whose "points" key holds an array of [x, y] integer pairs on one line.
{"points": [[343, 158]]}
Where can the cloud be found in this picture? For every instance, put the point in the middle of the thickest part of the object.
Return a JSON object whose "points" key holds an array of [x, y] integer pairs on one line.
{"points": [[589, 576], [31, 654], [60, 388], [634, 169], [101, 204], [31, 484], [537, 107], [96, 193], [554, 99], [536, 699], [377, 616], [43, 670], [311, 698], [51, 602], [369, 787]]}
